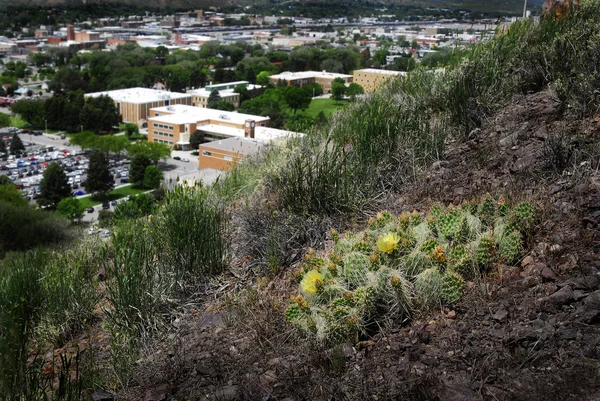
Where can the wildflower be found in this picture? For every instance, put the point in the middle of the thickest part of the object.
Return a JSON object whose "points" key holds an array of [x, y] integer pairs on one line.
{"points": [[388, 243], [309, 282]]}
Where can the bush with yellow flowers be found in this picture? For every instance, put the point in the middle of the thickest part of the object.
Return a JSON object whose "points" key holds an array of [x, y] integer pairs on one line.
{"points": [[404, 264]]}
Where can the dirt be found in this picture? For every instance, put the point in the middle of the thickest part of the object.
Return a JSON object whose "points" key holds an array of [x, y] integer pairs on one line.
{"points": [[527, 332]]}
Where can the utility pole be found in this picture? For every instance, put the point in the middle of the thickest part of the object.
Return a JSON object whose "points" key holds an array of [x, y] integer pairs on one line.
{"points": [[525, 10]]}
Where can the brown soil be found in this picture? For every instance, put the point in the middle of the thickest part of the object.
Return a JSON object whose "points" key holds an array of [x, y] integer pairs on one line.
{"points": [[530, 332]]}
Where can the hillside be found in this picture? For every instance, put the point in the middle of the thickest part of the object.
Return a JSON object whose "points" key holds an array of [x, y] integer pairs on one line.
{"points": [[502, 6], [436, 240]]}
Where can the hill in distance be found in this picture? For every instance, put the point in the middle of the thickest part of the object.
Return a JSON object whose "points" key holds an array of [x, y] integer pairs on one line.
{"points": [[502, 6]]}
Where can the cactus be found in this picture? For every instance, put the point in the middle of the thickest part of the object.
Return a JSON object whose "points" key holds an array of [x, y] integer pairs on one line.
{"points": [[510, 246], [415, 263], [347, 328], [432, 224], [486, 251], [428, 246], [428, 286], [380, 220], [365, 299], [438, 254], [522, 217], [452, 287], [502, 207], [343, 246], [335, 235], [292, 312], [356, 266], [449, 224], [487, 211], [388, 243], [363, 246]]}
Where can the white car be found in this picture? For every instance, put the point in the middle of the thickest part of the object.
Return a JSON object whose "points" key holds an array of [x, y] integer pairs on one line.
{"points": [[77, 178], [185, 159]]}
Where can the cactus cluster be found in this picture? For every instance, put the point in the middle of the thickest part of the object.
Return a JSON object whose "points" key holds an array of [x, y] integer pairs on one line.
{"points": [[401, 264]]}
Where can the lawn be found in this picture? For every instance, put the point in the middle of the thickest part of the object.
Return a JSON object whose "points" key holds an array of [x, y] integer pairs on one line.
{"points": [[327, 106], [115, 194], [18, 122]]}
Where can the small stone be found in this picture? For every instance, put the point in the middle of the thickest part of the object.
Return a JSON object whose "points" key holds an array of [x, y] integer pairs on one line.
{"points": [[559, 298], [527, 261], [102, 395], [451, 314], [548, 274], [500, 315], [450, 353]]}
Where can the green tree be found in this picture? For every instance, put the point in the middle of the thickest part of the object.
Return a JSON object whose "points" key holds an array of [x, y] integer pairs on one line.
{"points": [[263, 78], [354, 90], [32, 111], [99, 180], [2, 146], [153, 150], [99, 114], [196, 139], [138, 206], [137, 170], [86, 140], [297, 98], [222, 105], [10, 194], [54, 186], [162, 51], [4, 120], [16, 145], [71, 208], [130, 129], [214, 97], [153, 177], [338, 89]]}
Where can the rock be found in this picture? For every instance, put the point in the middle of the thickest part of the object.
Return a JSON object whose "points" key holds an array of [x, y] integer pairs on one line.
{"points": [[225, 393], [559, 298], [589, 222], [548, 274], [527, 261], [214, 319], [451, 314], [585, 283], [509, 140], [592, 301], [102, 395], [566, 333], [500, 315], [534, 270], [158, 393]]}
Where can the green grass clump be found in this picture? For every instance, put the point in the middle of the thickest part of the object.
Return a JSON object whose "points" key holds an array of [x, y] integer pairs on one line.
{"points": [[413, 263]]}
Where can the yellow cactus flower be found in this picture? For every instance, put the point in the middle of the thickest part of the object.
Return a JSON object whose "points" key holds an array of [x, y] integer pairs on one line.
{"points": [[309, 282], [439, 254], [388, 243]]}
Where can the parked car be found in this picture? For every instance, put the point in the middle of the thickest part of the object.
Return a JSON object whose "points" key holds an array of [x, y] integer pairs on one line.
{"points": [[90, 210], [37, 133], [124, 180], [176, 158], [185, 159], [79, 192]]}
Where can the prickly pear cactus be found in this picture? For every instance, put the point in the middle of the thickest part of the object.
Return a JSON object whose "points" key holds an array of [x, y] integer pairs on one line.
{"points": [[487, 212], [522, 217], [449, 224], [452, 287], [356, 266], [510, 246], [486, 251], [428, 246]]}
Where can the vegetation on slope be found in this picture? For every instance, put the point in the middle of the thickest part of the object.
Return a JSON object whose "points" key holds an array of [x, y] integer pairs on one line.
{"points": [[287, 201]]}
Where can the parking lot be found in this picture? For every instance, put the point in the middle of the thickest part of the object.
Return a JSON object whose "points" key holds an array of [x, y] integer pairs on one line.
{"points": [[27, 170]]}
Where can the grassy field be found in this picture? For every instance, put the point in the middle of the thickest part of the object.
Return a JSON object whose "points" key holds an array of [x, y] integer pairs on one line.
{"points": [[327, 106], [19, 122], [115, 194]]}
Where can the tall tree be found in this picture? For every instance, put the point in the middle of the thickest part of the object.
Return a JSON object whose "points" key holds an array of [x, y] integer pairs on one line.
{"points": [[354, 90], [2, 146], [100, 114], [196, 139], [99, 180], [338, 89], [54, 186], [16, 145], [296, 98], [137, 171], [153, 150], [153, 177], [214, 97]]}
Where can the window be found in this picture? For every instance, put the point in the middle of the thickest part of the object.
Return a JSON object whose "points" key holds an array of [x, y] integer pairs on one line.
{"points": [[228, 158]]}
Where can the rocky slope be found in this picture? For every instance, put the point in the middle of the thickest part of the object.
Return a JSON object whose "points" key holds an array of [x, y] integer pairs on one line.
{"points": [[530, 332]]}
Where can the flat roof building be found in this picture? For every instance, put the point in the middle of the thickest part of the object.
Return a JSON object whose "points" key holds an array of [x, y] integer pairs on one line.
{"points": [[371, 79], [323, 78], [134, 104], [224, 154], [226, 92]]}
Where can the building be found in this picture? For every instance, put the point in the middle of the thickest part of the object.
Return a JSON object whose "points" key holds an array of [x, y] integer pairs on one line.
{"points": [[86, 36], [371, 79], [324, 78], [173, 125], [226, 92], [70, 32], [224, 154], [135, 103]]}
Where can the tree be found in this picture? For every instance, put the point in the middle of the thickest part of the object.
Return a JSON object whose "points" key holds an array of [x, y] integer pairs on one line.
{"points": [[99, 180], [354, 90], [338, 89], [54, 186], [313, 89], [16, 145], [137, 170], [297, 98], [130, 129], [222, 105], [100, 114], [2, 146], [10, 194], [136, 207], [153, 177], [4, 120], [153, 150], [71, 208], [214, 97], [32, 111], [196, 139], [263, 78], [85, 140]]}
